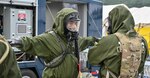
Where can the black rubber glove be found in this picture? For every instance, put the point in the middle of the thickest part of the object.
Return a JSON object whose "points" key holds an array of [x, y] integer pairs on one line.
{"points": [[15, 43]]}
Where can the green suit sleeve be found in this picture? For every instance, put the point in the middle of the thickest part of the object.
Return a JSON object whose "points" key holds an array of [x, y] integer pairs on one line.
{"points": [[106, 48], [38, 45], [85, 42]]}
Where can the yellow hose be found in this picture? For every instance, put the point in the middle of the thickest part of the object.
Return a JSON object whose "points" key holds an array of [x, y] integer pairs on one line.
{"points": [[6, 51]]}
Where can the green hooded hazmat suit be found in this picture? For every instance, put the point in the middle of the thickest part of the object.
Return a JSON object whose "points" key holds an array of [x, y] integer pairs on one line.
{"points": [[47, 46], [9, 67], [105, 52]]}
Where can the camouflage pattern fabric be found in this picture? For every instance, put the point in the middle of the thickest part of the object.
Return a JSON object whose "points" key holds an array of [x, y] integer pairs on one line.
{"points": [[131, 49]]}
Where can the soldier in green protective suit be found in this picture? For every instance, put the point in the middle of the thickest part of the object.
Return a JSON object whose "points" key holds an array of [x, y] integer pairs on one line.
{"points": [[105, 53], [8, 63], [58, 43]]}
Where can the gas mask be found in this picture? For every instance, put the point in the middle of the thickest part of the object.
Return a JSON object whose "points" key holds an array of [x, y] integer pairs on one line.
{"points": [[73, 22], [73, 26], [106, 27]]}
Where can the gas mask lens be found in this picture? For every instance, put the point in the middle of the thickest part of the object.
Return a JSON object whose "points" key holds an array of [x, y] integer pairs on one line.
{"points": [[73, 26], [106, 25]]}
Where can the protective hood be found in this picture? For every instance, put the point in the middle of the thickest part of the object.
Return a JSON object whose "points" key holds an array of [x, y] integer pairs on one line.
{"points": [[121, 20], [58, 26]]}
